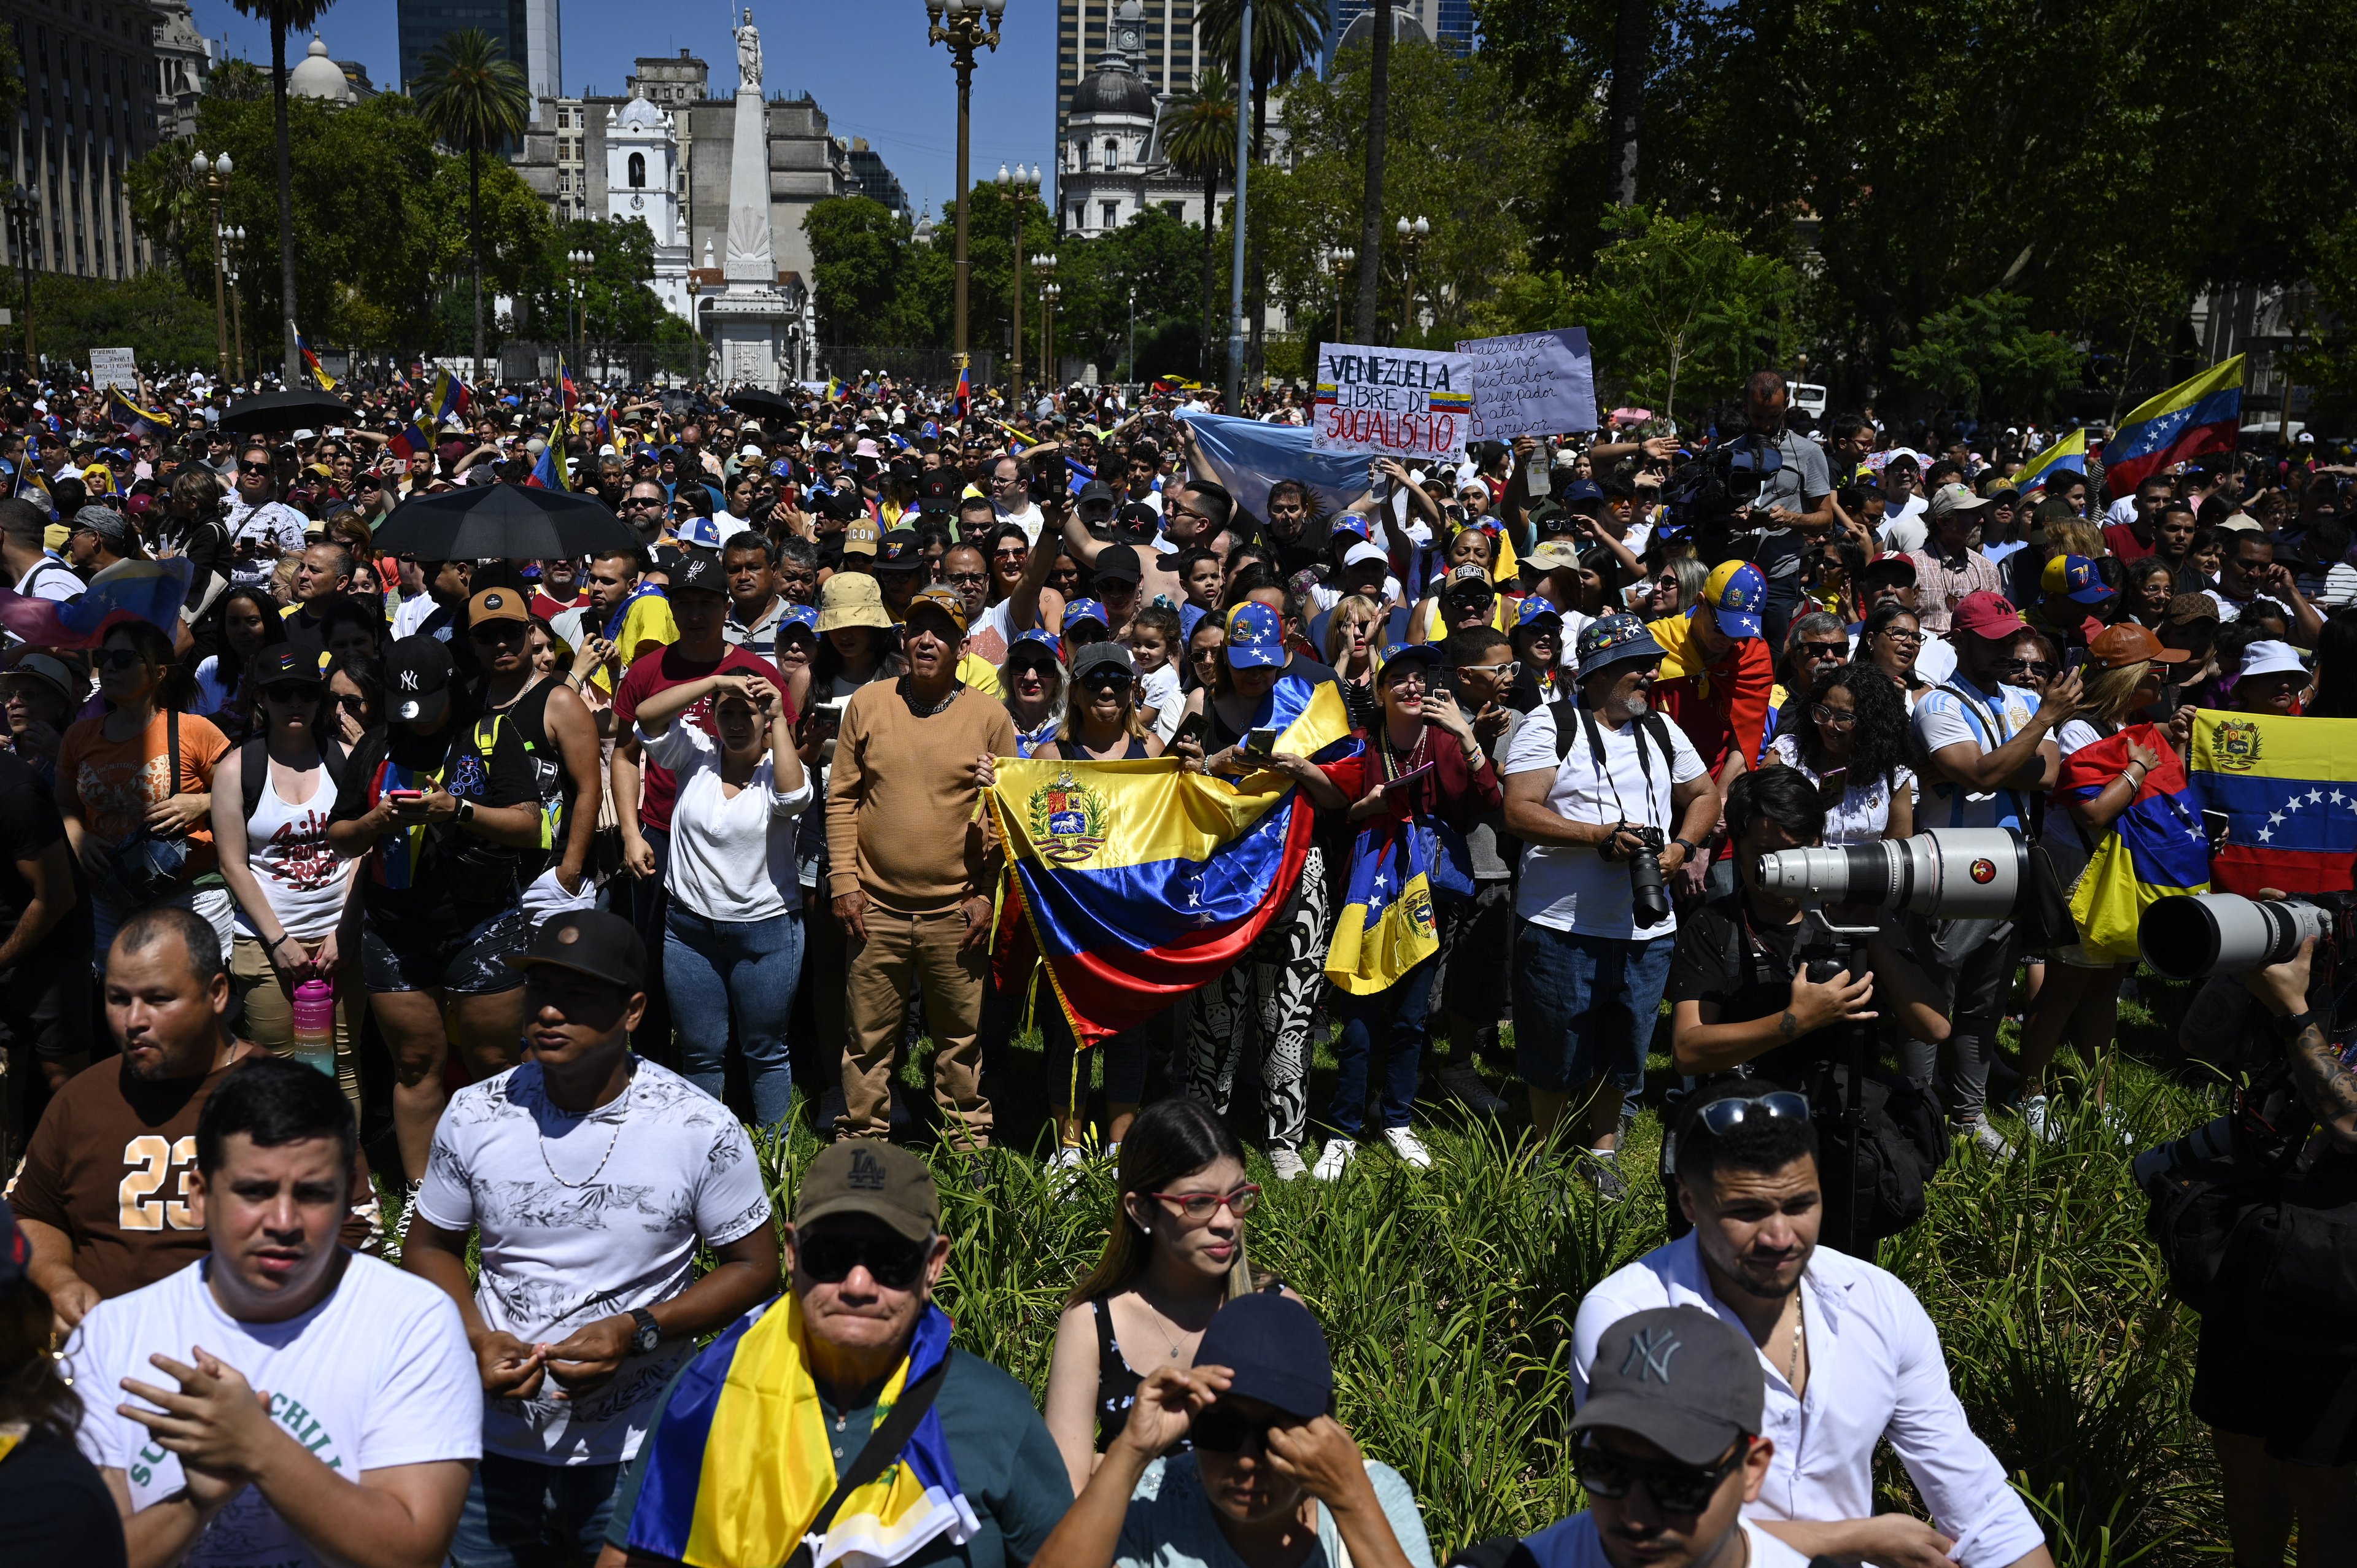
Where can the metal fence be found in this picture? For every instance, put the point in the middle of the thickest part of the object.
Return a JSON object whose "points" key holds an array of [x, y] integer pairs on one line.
{"points": [[631, 364], [926, 366]]}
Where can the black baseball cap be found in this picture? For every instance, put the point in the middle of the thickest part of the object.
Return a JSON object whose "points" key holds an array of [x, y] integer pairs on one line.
{"points": [[594, 942], [1117, 563], [937, 492], [417, 679], [1094, 492], [870, 1177], [290, 660], [1678, 1377], [1136, 520], [699, 572], [899, 551], [1274, 1352]]}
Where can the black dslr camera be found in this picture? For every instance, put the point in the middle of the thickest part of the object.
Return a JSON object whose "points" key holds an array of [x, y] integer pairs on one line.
{"points": [[1648, 899]]}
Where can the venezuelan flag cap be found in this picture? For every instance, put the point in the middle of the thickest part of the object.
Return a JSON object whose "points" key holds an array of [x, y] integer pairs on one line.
{"points": [[1736, 590], [1255, 640]]}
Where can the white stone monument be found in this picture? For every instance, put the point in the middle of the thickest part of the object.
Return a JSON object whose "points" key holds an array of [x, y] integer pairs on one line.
{"points": [[748, 320]]}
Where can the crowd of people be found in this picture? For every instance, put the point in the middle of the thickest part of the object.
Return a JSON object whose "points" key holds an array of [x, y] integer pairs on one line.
{"points": [[544, 880]]}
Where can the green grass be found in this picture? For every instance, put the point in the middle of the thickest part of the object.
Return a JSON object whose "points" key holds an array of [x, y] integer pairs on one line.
{"points": [[1448, 1297]]}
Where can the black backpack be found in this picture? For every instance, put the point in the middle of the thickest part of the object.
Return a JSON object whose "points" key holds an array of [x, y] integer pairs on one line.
{"points": [[254, 770]]}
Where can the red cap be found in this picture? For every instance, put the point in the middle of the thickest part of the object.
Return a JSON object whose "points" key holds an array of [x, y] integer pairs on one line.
{"points": [[1987, 616]]}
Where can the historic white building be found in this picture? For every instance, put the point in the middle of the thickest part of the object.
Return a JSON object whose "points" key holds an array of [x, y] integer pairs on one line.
{"points": [[1112, 165], [643, 181]]}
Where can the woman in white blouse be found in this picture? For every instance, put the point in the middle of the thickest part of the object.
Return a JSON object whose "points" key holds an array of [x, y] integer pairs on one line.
{"points": [[733, 947], [1849, 735]]}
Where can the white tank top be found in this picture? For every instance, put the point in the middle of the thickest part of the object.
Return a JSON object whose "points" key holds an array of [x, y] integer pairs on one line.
{"points": [[286, 849]]}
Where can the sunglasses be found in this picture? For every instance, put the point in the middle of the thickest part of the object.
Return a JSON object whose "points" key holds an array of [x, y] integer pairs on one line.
{"points": [[1721, 1117], [973, 577], [1202, 1206], [254, 468], [292, 692], [1836, 650], [496, 630], [893, 1261], [1222, 1430], [354, 704], [119, 658], [1676, 1489]]}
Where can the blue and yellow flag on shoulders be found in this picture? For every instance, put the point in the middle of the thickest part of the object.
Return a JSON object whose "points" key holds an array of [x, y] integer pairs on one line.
{"points": [[1137, 882], [740, 1465], [2153, 850], [1386, 926], [2289, 786]]}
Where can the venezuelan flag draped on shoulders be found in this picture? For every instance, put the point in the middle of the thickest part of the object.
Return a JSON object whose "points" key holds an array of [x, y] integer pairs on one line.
{"points": [[147, 590], [2154, 849], [1138, 882], [740, 1465], [2289, 786]]}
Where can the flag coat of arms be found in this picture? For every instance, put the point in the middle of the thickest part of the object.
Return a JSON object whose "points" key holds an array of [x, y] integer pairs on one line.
{"points": [[2289, 788]]}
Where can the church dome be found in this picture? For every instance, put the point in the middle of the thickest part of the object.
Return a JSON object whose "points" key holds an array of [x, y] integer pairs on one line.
{"points": [[1111, 90], [318, 76], [640, 112]]}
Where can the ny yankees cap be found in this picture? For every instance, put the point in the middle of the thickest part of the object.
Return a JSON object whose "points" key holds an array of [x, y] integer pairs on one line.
{"points": [[1678, 1377], [870, 1177], [417, 679]]}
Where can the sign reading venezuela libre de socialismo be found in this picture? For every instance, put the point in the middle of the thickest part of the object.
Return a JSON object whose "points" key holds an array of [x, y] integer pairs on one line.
{"points": [[1398, 403]]}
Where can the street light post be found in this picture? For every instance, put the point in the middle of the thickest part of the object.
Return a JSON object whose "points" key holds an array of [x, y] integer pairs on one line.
{"points": [[22, 202], [236, 238], [1024, 186], [1044, 264], [578, 264], [1054, 291], [212, 176], [1412, 236], [1338, 263], [962, 26], [1129, 359]]}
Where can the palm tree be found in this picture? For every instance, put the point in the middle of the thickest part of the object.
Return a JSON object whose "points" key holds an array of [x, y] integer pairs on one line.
{"points": [[1371, 210], [1624, 107], [473, 97], [1287, 36], [1202, 141], [283, 15]]}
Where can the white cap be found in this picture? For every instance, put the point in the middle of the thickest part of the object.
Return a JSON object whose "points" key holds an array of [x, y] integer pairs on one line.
{"points": [[748, 451], [1362, 551], [2271, 659]]}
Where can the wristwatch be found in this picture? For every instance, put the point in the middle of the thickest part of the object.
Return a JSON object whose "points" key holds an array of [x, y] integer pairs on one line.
{"points": [[648, 1335], [1692, 849], [464, 811]]}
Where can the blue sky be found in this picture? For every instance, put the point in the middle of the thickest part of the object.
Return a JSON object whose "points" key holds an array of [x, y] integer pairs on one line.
{"points": [[867, 63]]}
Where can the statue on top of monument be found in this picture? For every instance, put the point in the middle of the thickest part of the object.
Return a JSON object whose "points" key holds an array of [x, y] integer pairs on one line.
{"points": [[749, 54]]}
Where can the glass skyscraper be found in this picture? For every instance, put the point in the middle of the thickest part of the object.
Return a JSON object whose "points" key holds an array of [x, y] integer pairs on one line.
{"points": [[528, 27]]}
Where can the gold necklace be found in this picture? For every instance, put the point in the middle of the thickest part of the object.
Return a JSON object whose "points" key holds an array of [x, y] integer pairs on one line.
{"points": [[1799, 1317]]}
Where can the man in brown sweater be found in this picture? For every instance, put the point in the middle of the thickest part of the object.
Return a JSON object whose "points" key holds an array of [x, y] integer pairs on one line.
{"points": [[910, 869]]}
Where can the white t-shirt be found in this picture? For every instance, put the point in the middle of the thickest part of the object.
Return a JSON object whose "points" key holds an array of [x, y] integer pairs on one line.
{"points": [[1942, 720], [731, 858], [1326, 598], [557, 1256], [51, 579], [1029, 519], [1573, 1543], [1904, 530], [273, 524], [1162, 695], [1864, 808], [377, 1375], [1573, 888]]}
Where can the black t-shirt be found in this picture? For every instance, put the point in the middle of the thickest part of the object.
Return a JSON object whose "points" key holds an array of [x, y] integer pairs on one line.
{"points": [[441, 872], [1742, 968], [58, 1508], [29, 824]]}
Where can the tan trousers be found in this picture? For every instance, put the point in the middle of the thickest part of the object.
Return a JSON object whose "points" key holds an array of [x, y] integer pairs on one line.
{"points": [[270, 1011], [923, 947]]}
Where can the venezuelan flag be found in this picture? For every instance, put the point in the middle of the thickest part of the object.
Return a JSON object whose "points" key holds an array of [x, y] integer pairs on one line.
{"points": [[311, 363], [449, 396], [548, 474], [2289, 786], [964, 396], [570, 393], [1138, 882], [740, 1465], [152, 591], [408, 441], [2069, 453], [1386, 926], [2205, 414], [127, 413], [834, 387], [2153, 850]]}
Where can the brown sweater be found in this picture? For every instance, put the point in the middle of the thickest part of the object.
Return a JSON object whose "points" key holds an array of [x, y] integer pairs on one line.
{"points": [[900, 823]]}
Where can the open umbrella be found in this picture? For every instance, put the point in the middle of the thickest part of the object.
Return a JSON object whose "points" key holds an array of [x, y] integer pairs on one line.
{"points": [[762, 404], [286, 411], [502, 523]]}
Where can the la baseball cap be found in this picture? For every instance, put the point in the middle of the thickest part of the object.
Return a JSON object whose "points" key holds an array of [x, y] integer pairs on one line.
{"points": [[1678, 1377], [595, 942], [1735, 590], [2076, 579], [870, 1177]]}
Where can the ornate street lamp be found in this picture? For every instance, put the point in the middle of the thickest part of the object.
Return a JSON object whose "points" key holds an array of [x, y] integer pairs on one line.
{"points": [[212, 178], [964, 26], [1023, 187]]}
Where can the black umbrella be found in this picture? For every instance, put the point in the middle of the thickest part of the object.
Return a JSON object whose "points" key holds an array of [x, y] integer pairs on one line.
{"points": [[278, 411], [502, 523], [762, 404]]}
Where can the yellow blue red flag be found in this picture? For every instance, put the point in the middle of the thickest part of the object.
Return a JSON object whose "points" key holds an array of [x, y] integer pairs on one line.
{"points": [[2069, 454], [1386, 926], [2153, 850], [2205, 414], [2289, 786]]}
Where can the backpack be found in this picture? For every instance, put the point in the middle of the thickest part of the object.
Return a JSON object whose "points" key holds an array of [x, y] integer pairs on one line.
{"points": [[254, 770]]}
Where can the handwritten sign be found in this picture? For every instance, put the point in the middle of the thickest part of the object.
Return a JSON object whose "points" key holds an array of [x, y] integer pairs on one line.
{"points": [[114, 368], [1534, 383], [1401, 402]]}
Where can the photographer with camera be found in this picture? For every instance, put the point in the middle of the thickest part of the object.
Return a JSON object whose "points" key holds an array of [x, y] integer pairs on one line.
{"points": [[1989, 751], [1605, 822]]}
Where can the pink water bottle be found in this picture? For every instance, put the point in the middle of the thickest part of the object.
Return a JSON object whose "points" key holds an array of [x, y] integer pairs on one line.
{"points": [[315, 1025]]}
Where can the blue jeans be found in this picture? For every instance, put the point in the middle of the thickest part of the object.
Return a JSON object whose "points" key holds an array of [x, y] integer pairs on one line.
{"points": [[1585, 1007], [1400, 1013], [744, 969], [520, 1514]]}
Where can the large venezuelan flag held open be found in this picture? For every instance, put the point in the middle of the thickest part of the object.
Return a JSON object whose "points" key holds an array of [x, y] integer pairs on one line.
{"points": [[1137, 882], [2289, 786], [2202, 415]]}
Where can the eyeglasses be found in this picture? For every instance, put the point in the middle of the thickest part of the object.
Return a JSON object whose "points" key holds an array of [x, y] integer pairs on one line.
{"points": [[1840, 718], [1720, 1117], [1415, 678], [293, 692], [254, 468], [893, 1261], [119, 658], [969, 578], [1896, 635], [1202, 1206], [1676, 1489], [1223, 1430]]}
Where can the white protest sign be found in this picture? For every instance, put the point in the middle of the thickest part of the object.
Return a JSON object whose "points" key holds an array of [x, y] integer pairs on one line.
{"points": [[1401, 403], [1534, 383], [114, 368]]}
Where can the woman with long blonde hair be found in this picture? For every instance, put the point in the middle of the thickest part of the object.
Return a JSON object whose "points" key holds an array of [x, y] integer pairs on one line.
{"points": [[1354, 642]]}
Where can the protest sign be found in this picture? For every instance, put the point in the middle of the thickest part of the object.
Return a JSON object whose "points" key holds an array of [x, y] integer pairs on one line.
{"points": [[114, 368], [1533, 383], [1400, 403]]}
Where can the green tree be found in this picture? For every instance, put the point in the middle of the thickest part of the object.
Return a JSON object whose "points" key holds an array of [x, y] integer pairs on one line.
{"points": [[475, 98], [1151, 258], [1677, 300], [1982, 353], [1202, 143], [615, 300], [154, 313], [283, 14], [1285, 39], [858, 258]]}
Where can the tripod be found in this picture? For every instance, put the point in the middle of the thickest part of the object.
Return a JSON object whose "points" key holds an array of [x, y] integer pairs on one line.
{"points": [[1827, 950]]}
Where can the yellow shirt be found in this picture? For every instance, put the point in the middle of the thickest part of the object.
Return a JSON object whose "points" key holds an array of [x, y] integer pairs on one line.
{"points": [[982, 675], [648, 622]]}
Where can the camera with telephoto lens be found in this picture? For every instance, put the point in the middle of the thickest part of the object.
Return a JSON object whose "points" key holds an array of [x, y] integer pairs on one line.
{"points": [[1708, 496], [2198, 934], [1649, 901], [1952, 874]]}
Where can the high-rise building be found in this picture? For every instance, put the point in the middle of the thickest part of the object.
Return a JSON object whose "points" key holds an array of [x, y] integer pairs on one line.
{"points": [[1448, 22], [96, 96], [528, 27], [871, 179], [1167, 56]]}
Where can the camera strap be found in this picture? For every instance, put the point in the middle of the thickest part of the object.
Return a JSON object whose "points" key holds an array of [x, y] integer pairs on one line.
{"points": [[1604, 770], [1998, 736]]}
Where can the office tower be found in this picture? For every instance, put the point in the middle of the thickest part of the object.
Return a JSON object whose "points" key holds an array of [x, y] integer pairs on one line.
{"points": [[1167, 58], [529, 29]]}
